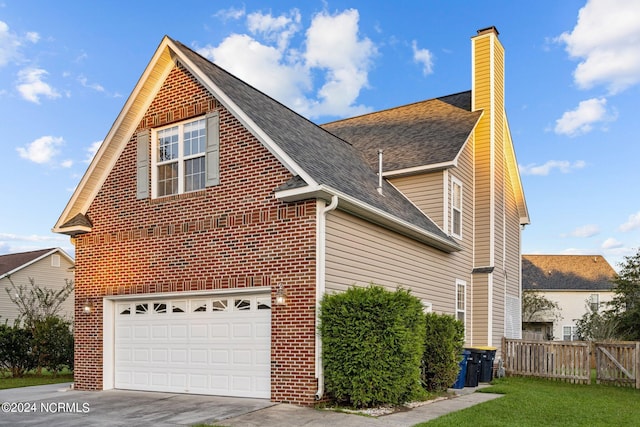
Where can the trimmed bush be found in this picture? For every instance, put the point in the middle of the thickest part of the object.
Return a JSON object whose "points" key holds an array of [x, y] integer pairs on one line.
{"points": [[16, 350], [53, 342], [444, 342], [372, 344]]}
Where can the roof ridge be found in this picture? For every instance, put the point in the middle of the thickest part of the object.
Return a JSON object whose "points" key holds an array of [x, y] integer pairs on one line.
{"points": [[438, 98]]}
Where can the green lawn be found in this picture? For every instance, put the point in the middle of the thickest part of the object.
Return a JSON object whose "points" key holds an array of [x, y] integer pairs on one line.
{"points": [[539, 402], [33, 379]]}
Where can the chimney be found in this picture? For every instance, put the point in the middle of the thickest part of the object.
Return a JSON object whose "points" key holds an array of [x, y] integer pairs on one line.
{"points": [[487, 88]]}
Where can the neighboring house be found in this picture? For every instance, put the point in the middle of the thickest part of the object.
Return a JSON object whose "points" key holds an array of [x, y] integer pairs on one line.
{"points": [[209, 204], [574, 282], [50, 268]]}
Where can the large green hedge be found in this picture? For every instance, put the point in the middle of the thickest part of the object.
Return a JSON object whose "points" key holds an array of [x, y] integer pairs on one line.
{"points": [[444, 341], [373, 342]]}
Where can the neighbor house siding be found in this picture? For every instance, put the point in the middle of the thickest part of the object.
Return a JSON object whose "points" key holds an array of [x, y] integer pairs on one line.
{"points": [[45, 276], [233, 235]]}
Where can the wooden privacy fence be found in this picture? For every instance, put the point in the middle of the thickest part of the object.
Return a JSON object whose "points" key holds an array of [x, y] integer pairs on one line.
{"points": [[568, 361], [616, 363]]}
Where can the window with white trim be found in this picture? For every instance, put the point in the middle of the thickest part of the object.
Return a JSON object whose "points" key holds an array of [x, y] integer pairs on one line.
{"points": [[55, 260], [184, 157], [569, 333], [461, 301], [456, 208], [594, 302], [180, 158]]}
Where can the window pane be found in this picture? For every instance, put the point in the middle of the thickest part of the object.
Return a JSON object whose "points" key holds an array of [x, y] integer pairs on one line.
{"points": [[194, 174], [219, 305], [457, 200], [264, 303], [457, 220], [142, 308], [178, 306], [168, 144], [198, 306], [167, 179], [194, 138], [242, 304], [159, 307]]}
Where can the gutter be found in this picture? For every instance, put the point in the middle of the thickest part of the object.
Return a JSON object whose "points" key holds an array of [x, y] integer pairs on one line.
{"points": [[321, 226]]}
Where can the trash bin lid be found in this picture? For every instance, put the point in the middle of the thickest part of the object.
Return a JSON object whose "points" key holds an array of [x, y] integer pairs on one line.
{"points": [[485, 348]]}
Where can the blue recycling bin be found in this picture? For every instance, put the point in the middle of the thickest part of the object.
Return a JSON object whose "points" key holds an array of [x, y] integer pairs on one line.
{"points": [[462, 373]]}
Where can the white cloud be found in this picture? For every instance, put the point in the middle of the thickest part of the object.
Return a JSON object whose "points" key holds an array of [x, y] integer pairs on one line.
{"points": [[95, 86], [589, 230], [92, 150], [582, 119], [606, 39], [563, 166], [333, 53], [11, 43], [612, 243], [424, 57], [43, 150], [230, 13], [31, 85], [66, 163], [632, 223]]}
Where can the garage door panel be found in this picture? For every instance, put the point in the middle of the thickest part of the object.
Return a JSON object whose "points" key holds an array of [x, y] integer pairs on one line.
{"points": [[203, 345]]}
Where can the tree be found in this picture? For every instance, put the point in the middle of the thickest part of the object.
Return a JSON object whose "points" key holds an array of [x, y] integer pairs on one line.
{"points": [[536, 306], [625, 306], [596, 326], [36, 303]]}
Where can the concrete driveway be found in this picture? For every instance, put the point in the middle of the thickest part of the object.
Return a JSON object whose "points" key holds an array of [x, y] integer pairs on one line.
{"points": [[56, 405]]}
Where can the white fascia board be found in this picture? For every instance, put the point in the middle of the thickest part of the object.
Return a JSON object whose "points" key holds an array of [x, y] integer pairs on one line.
{"points": [[98, 157], [370, 213], [243, 118], [419, 169]]}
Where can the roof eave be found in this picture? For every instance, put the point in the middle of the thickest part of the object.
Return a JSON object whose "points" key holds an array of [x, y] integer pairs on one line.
{"points": [[371, 214]]}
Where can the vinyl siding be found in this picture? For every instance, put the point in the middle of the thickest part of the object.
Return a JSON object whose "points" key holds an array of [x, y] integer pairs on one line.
{"points": [[44, 275], [359, 253], [426, 191]]}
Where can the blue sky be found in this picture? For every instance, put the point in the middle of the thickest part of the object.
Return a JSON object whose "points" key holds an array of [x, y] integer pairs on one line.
{"points": [[572, 91]]}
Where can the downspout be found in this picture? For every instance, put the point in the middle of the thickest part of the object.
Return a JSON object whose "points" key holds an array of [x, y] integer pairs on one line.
{"points": [[320, 285]]}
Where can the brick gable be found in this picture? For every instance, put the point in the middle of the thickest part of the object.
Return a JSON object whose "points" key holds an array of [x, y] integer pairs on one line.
{"points": [[233, 235]]}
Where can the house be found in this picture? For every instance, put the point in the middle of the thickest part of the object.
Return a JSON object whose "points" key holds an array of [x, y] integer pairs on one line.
{"points": [[213, 219], [577, 283], [50, 268]]}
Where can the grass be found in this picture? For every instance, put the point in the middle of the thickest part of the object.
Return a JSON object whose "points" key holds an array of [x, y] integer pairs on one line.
{"points": [[539, 402], [32, 379]]}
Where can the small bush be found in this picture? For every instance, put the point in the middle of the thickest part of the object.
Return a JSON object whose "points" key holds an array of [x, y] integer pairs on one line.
{"points": [[372, 346], [444, 341], [16, 349]]}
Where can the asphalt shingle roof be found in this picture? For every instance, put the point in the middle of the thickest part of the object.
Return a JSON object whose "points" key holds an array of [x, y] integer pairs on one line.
{"points": [[328, 159], [566, 272], [423, 133], [10, 262]]}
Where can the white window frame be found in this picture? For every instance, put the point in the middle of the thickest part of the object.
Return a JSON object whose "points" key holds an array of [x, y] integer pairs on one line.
{"points": [[461, 306], [55, 260], [456, 209], [594, 302], [181, 159], [573, 333]]}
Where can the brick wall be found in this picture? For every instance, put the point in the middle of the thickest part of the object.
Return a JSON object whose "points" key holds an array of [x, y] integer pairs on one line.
{"points": [[234, 235]]}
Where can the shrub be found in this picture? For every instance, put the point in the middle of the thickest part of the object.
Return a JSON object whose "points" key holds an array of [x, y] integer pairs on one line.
{"points": [[16, 349], [372, 346], [444, 341], [53, 344]]}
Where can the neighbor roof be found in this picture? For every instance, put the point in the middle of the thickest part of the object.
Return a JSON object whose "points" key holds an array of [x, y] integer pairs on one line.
{"points": [[566, 272], [424, 133], [12, 263]]}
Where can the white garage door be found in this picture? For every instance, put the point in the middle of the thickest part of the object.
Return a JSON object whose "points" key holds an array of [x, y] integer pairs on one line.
{"points": [[215, 345]]}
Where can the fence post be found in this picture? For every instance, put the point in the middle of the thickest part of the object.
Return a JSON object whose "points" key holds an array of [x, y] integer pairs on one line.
{"points": [[637, 356]]}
